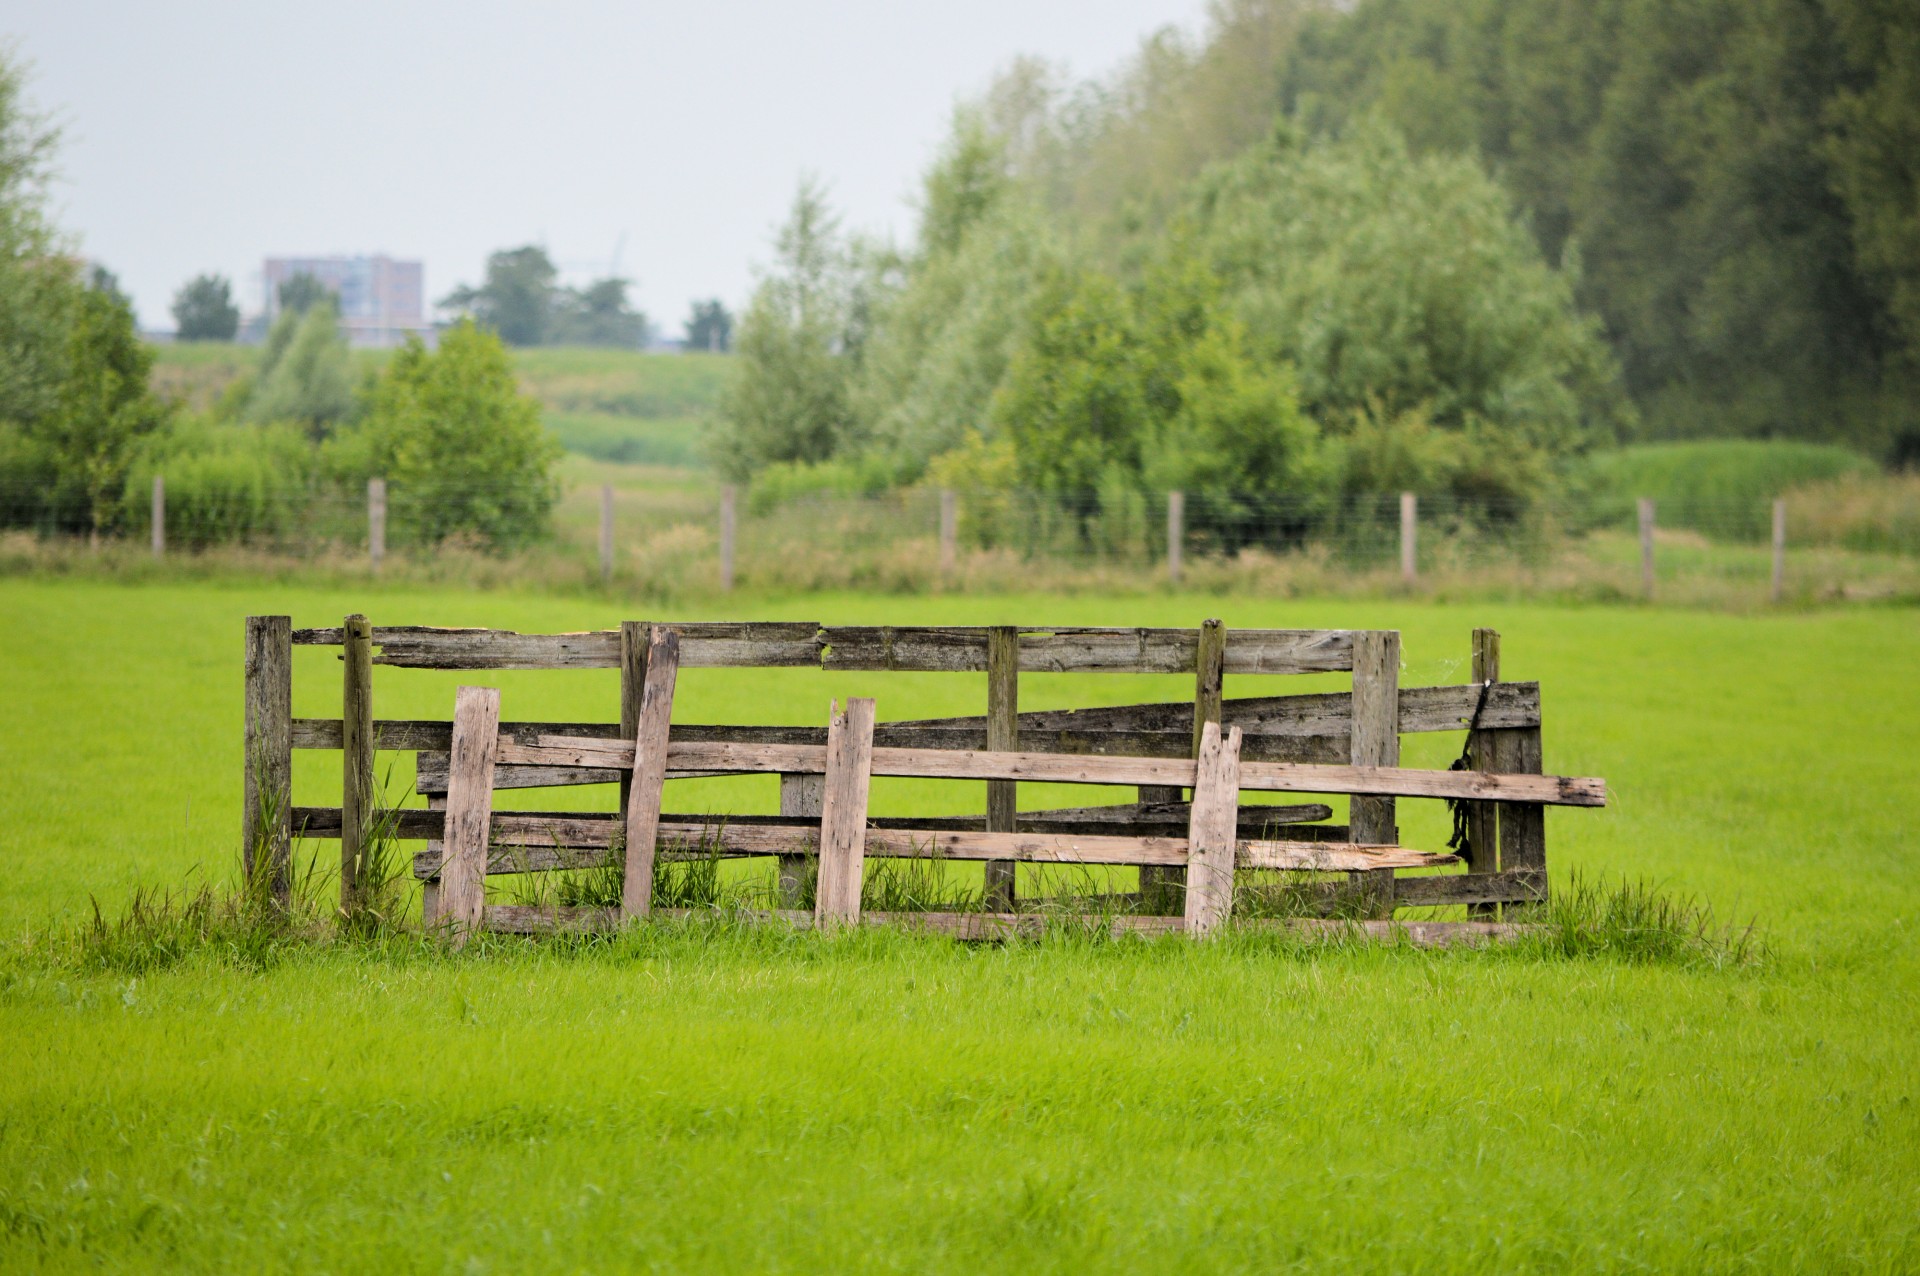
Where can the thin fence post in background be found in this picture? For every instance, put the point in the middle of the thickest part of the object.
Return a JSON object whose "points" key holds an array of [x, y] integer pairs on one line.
{"points": [[606, 533], [1176, 533], [376, 522], [159, 517], [949, 529], [1779, 550], [726, 539], [1646, 546], [1409, 514]]}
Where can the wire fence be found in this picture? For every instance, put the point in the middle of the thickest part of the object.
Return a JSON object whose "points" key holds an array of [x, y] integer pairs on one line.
{"points": [[697, 538]]}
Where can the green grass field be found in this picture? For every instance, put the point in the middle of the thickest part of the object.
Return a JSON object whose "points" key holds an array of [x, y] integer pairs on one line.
{"points": [[732, 1100]]}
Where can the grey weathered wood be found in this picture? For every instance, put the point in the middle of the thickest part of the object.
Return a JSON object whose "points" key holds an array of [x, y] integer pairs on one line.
{"points": [[1779, 590], [1211, 832], [1646, 546], [649, 770], [777, 645], [1176, 534], [1409, 537], [634, 637], [267, 790], [802, 797], [469, 816], [1483, 818], [427, 867], [376, 523], [949, 531], [1523, 836], [158, 522], [1003, 736], [1375, 742], [356, 756], [843, 813], [728, 507]]}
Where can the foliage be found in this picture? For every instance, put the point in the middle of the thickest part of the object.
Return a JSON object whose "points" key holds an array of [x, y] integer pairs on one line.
{"points": [[36, 286], [305, 372], [461, 447], [301, 293], [1722, 487], [203, 310], [523, 301], [709, 327], [799, 347], [227, 481], [597, 315]]}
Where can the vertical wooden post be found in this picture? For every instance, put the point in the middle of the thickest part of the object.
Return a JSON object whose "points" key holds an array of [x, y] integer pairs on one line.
{"points": [[606, 533], [1779, 550], [1409, 516], [634, 637], [376, 522], [430, 889], [1003, 736], [949, 530], [1483, 822], [1375, 742], [649, 771], [843, 814], [356, 753], [802, 795], [1523, 826], [267, 794], [1646, 546], [1212, 827], [1176, 533], [726, 538], [159, 516], [1160, 884], [469, 831]]}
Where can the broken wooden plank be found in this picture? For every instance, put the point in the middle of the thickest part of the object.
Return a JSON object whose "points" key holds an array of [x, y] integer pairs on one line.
{"points": [[463, 873], [843, 811], [649, 771]]}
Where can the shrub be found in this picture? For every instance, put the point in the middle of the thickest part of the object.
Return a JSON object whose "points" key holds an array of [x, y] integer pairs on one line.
{"points": [[1722, 487]]}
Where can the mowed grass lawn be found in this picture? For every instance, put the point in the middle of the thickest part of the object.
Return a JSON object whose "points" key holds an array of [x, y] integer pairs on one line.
{"points": [[876, 1101]]}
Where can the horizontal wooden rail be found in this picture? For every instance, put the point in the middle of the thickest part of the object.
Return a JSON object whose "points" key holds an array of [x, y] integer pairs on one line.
{"points": [[527, 919], [925, 649], [1550, 790]]}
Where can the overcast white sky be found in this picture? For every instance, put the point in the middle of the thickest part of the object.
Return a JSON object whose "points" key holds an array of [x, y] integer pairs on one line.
{"points": [[206, 136]]}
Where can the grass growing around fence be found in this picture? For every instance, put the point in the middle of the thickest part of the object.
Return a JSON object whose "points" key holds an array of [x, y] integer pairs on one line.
{"points": [[1624, 1092]]}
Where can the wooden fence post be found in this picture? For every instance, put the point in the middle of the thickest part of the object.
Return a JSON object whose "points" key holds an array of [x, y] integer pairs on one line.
{"points": [[949, 530], [726, 538], [159, 516], [376, 522], [1159, 883], [1523, 826], [1176, 533], [649, 771], [1003, 736], [267, 792], [634, 637], [1375, 742], [843, 815], [1212, 828], [1483, 823], [356, 754], [606, 533], [1779, 550], [1646, 546], [1409, 515], [802, 794], [469, 827]]}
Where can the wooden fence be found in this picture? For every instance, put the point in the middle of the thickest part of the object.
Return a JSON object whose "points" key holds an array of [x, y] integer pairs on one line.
{"points": [[1343, 742]]}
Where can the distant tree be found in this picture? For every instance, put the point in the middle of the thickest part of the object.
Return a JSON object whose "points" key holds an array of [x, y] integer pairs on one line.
{"points": [[597, 315], [203, 310], [302, 293], [709, 327], [464, 449], [100, 279], [305, 374], [517, 299]]}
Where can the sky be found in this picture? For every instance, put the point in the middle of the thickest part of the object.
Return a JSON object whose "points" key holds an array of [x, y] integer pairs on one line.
{"points": [[661, 141]]}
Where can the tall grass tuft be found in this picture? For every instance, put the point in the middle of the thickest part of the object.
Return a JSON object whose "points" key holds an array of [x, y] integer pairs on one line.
{"points": [[915, 885], [1635, 921]]}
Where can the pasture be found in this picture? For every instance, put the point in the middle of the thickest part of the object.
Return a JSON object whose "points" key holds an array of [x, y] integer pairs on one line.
{"points": [[685, 1097]]}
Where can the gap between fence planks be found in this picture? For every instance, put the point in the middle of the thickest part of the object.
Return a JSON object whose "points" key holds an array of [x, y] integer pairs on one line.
{"points": [[649, 771], [469, 823], [1061, 768]]}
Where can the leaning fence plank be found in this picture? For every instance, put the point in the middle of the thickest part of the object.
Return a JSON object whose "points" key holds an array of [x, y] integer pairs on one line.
{"points": [[267, 790], [1003, 736], [634, 635], [843, 815], [356, 754], [1211, 830], [469, 820], [649, 771]]}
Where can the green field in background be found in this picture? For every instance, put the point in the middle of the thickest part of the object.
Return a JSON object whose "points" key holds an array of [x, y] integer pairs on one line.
{"points": [[885, 1102]]}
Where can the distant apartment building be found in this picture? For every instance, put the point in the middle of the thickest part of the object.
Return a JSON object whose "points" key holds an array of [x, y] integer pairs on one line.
{"points": [[382, 301]]}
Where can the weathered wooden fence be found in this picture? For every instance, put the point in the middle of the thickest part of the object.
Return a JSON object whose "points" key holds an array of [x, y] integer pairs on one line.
{"points": [[1343, 742]]}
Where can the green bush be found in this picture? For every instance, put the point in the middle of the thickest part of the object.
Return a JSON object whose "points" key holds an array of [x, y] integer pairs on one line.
{"points": [[1721, 488], [226, 482]]}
